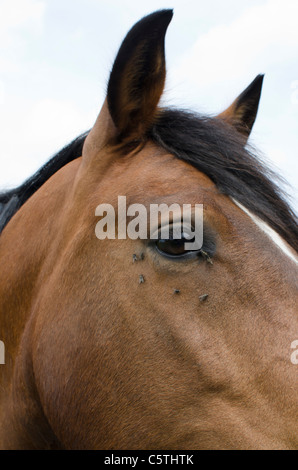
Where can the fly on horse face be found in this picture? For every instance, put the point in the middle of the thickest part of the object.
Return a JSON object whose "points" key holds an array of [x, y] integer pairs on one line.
{"points": [[139, 343]]}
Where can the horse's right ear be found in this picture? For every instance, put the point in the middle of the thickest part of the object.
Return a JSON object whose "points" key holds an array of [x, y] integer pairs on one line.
{"points": [[135, 86], [138, 76]]}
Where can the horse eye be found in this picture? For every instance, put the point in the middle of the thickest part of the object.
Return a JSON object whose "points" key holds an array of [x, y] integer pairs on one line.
{"points": [[173, 247]]}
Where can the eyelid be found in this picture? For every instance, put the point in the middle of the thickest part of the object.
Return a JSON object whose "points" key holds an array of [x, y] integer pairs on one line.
{"points": [[176, 227], [171, 218]]}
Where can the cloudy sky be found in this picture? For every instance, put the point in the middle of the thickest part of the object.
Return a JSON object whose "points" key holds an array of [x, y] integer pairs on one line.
{"points": [[56, 55]]}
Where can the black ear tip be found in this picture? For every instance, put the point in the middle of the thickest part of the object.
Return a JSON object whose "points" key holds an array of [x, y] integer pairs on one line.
{"points": [[153, 25], [253, 91], [260, 77], [169, 13], [166, 13], [258, 81], [159, 17]]}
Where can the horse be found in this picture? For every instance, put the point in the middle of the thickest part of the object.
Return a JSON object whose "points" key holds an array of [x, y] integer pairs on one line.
{"points": [[140, 343]]}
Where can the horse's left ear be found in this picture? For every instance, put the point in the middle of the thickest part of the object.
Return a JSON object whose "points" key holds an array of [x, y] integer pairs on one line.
{"points": [[243, 111]]}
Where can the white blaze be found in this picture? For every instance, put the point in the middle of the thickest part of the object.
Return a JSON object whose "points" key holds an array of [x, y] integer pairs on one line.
{"points": [[274, 236]]}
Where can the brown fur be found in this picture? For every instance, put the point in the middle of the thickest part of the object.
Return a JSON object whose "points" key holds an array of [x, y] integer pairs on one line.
{"points": [[109, 366]]}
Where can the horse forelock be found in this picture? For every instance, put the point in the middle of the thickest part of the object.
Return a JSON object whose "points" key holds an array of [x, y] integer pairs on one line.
{"points": [[215, 149]]}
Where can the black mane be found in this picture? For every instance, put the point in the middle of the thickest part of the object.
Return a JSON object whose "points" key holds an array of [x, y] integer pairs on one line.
{"points": [[12, 200], [208, 144]]}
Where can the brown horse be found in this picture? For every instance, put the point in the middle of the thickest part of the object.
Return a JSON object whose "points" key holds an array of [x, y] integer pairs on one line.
{"points": [[141, 344]]}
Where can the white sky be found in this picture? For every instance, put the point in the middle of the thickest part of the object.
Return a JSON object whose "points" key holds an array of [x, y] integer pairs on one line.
{"points": [[56, 55]]}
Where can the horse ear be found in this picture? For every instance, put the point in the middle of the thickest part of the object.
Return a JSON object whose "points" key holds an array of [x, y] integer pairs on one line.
{"points": [[243, 111], [138, 75]]}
